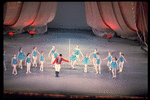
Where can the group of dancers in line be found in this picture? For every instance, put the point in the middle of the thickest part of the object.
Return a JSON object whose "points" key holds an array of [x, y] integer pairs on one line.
{"points": [[57, 58]]}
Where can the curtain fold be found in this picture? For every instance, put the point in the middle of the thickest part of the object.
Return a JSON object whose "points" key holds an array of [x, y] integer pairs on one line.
{"points": [[11, 12], [94, 20], [127, 32], [44, 14], [126, 19], [26, 16], [117, 16]]}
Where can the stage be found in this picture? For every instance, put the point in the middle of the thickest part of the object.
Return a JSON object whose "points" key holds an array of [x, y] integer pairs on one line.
{"points": [[133, 81]]}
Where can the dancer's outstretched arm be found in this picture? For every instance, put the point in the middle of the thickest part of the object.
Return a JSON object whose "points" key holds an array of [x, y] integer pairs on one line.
{"points": [[82, 59], [64, 60], [49, 53], [124, 59], [70, 55], [24, 53], [81, 53], [105, 58], [90, 54], [90, 59], [118, 59], [38, 52]]}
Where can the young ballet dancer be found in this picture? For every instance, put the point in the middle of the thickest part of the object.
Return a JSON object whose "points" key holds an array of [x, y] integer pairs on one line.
{"points": [[98, 62], [4, 60], [28, 62], [34, 56], [94, 56], [14, 63], [21, 57], [55, 53], [73, 59], [55, 56], [121, 61], [41, 60], [86, 61], [51, 54], [58, 61], [114, 66], [109, 57], [77, 52]]}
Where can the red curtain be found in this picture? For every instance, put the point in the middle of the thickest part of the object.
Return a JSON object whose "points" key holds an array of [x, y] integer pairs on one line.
{"points": [[126, 19], [122, 17], [27, 16]]}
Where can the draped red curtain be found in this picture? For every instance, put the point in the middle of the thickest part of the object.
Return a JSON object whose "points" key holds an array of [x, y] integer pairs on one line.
{"points": [[125, 18], [27, 16]]}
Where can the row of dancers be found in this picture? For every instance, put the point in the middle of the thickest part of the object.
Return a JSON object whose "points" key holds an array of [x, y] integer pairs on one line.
{"points": [[57, 58]]}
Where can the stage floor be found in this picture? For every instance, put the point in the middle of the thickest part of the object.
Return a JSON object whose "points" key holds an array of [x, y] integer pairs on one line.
{"points": [[133, 81]]}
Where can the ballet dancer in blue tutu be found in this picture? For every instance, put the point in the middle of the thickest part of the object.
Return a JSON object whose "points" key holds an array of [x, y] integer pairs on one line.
{"points": [[94, 57], [51, 54], [28, 62], [109, 57], [56, 54], [77, 52], [41, 60], [34, 56], [21, 57], [114, 66], [86, 61], [14, 63], [121, 61], [73, 59], [98, 63]]}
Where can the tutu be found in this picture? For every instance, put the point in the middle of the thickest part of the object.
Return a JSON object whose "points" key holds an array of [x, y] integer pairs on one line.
{"points": [[114, 65], [21, 56], [73, 58], [86, 60]]}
